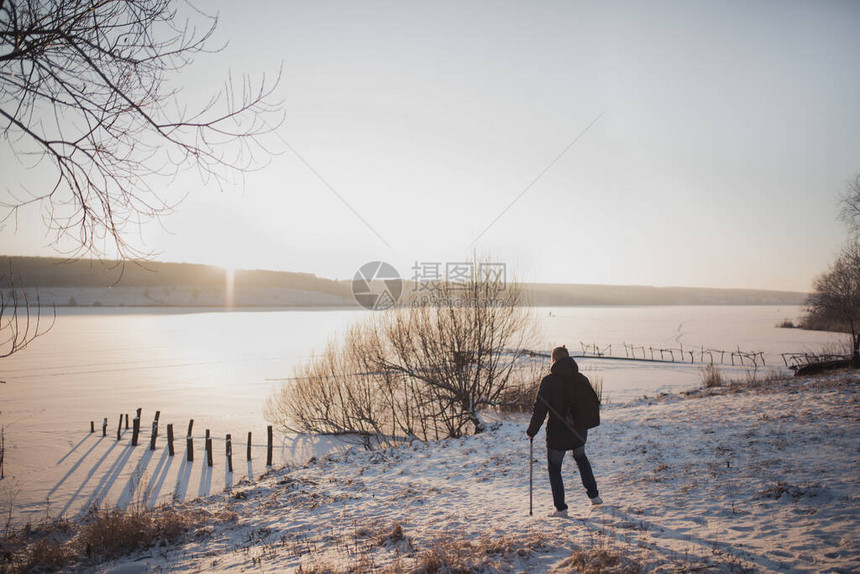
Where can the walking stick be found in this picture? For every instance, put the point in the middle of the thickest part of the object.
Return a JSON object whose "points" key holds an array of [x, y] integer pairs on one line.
{"points": [[531, 464]]}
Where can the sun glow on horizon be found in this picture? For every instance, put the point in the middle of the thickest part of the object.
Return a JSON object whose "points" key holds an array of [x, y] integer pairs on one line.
{"points": [[230, 277]]}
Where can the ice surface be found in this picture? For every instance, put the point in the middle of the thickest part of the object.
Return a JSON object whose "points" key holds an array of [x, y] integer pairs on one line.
{"points": [[218, 367]]}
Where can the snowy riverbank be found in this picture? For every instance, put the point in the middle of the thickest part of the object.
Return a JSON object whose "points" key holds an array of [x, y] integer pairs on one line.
{"points": [[765, 479]]}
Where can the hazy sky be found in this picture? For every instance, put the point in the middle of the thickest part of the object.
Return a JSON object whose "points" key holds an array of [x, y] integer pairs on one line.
{"points": [[727, 131]]}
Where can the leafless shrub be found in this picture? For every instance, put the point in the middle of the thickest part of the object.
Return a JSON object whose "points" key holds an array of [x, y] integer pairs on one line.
{"points": [[484, 553], [519, 393], [47, 555], [101, 535], [38, 548], [599, 558], [424, 371], [112, 533], [447, 556], [330, 396], [597, 384], [835, 348], [712, 377], [322, 567], [509, 545], [834, 304], [391, 536], [769, 378]]}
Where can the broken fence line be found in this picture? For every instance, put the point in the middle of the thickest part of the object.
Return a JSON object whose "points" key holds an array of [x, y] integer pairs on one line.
{"points": [[667, 354], [800, 360], [170, 438]]}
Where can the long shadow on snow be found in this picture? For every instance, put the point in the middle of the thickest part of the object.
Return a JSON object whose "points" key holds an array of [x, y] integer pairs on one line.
{"points": [[183, 477], [660, 530], [159, 475], [205, 481], [76, 465], [134, 481], [108, 479], [74, 448]]}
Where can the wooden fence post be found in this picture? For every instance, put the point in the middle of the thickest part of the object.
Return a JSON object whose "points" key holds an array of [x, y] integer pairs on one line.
{"points": [[189, 442], [135, 431], [269, 447], [229, 453], [207, 446], [170, 439], [119, 428], [154, 434], [126, 421], [104, 427], [92, 427], [249, 446]]}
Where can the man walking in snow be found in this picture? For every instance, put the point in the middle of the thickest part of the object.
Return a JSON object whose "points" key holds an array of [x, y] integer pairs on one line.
{"points": [[573, 407]]}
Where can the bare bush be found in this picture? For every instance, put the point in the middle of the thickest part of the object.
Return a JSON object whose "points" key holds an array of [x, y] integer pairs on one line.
{"points": [[519, 393], [835, 301], [331, 395], [424, 371], [712, 377], [115, 532], [602, 560], [596, 384], [42, 547], [101, 535]]}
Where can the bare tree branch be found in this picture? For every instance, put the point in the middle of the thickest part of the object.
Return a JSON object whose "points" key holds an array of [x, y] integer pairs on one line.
{"points": [[83, 90], [21, 320], [849, 206]]}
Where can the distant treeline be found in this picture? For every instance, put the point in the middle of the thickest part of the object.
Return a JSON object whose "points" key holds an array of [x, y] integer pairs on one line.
{"points": [[552, 295], [47, 272], [54, 272]]}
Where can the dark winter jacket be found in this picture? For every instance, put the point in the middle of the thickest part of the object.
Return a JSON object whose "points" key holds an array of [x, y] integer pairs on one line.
{"points": [[564, 379]]}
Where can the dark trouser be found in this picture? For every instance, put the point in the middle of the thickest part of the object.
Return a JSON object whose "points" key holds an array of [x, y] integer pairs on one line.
{"points": [[554, 459]]}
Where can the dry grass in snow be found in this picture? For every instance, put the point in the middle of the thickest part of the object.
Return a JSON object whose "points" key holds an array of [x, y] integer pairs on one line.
{"points": [[763, 479]]}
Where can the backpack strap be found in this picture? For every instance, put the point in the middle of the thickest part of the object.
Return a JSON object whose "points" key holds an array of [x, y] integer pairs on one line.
{"points": [[564, 420]]}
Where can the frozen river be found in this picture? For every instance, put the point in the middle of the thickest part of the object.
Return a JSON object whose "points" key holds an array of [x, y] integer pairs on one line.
{"points": [[218, 368]]}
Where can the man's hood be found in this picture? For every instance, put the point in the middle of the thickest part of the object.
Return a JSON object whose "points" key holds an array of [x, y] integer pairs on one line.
{"points": [[565, 367]]}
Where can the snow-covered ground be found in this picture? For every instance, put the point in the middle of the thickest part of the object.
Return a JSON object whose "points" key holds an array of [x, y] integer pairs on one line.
{"points": [[767, 480], [218, 368]]}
